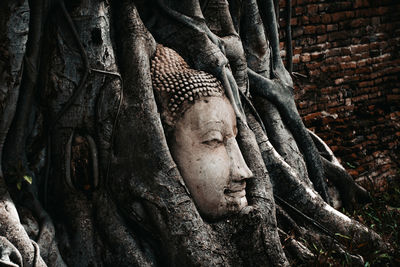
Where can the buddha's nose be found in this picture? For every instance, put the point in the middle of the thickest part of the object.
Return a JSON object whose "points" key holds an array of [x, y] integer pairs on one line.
{"points": [[239, 168]]}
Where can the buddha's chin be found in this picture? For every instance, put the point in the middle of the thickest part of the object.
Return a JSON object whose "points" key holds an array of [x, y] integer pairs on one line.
{"points": [[237, 204], [232, 206], [243, 202]]}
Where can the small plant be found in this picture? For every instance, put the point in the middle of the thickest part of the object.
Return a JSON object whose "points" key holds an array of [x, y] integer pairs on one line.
{"points": [[25, 178], [383, 216]]}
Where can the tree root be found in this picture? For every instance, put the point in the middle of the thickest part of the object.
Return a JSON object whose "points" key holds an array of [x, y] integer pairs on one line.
{"points": [[351, 193], [260, 196], [282, 97], [296, 252], [267, 13], [10, 255], [216, 66], [12, 230], [123, 243], [287, 184]]}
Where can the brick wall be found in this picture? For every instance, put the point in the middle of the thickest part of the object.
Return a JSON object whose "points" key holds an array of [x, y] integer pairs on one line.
{"points": [[349, 51]]}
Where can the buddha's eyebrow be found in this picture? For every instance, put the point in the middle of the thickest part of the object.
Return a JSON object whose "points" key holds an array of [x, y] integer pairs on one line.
{"points": [[214, 122]]}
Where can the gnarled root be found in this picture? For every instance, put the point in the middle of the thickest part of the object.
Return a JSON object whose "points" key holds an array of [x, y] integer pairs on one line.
{"points": [[302, 197], [350, 192]]}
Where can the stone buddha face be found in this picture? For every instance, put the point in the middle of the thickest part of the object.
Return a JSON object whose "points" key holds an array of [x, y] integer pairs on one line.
{"points": [[201, 130], [204, 147]]}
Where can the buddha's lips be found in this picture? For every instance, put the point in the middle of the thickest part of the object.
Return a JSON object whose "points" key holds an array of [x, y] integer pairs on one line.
{"points": [[236, 190]]}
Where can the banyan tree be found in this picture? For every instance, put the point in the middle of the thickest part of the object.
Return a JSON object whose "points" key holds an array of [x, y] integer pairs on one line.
{"points": [[152, 133]]}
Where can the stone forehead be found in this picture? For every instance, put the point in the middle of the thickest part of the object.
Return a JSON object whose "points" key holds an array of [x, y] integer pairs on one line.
{"points": [[177, 84]]}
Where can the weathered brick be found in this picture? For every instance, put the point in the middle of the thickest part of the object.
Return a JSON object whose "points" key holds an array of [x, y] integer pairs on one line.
{"points": [[314, 72], [339, 81], [338, 35], [338, 16], [305, 57], [297, 32], [317, 55], [315, 19], [326, 18], [363, 62], [331, 27], [391, 98], [313, 64], [357, 23], [361, 3], [296, 59], [298, 11], [348, 65], [297, 50], [323, 7], [305, 20], [322, 38], [310, 41], [320, 29], [312, 116], [359, 48], [345, 51], [350, 14], [344, 58], [348, 74], [309, 29], [375, 21], [366, 83], [312, 9], [333, 52], [382, 10]]}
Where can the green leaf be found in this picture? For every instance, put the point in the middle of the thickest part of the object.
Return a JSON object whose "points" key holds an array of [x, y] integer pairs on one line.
{"points": [[384, 256], [28, 179], [19, 185], [350, 165]]}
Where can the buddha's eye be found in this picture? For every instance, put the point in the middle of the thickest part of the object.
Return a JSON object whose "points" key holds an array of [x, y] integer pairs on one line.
{"points": [[213, 138]]}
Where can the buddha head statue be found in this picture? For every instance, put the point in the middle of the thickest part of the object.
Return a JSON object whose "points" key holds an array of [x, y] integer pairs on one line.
{"points": [[200, 126]]}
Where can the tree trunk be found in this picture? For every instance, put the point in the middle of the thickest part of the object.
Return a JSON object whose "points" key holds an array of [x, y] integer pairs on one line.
{"points": [[86, 174]]}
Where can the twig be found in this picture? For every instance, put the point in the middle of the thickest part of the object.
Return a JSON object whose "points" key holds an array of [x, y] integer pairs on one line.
{"points": [[116, 116], [85, 60]]}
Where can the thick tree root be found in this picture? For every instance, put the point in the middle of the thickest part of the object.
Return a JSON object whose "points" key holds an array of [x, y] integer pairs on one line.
{"points": [[260, 195], [287, 184], [12, 229], [210, 54], [282, 96], [267, 12], [351, 193], [123, 243]]}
